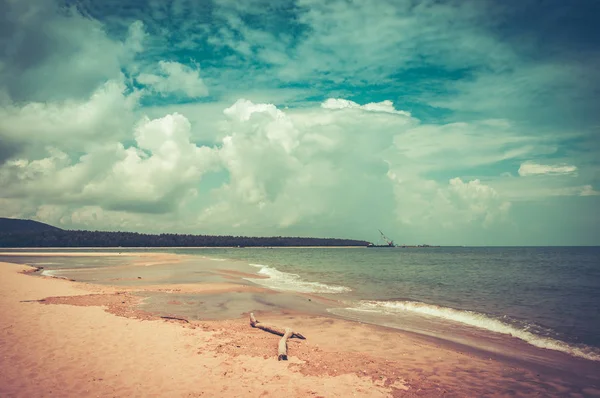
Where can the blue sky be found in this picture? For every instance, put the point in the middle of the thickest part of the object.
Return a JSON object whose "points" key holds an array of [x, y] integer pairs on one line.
{"points": [[448, 122]]}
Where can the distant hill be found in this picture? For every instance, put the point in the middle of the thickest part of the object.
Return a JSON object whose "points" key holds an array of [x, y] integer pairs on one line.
{"points": [[17, 225], [27, 233]]}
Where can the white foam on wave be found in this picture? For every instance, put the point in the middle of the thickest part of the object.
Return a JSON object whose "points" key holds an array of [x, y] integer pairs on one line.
{"points": [[278, 280], [48, 272], [478, 320]]}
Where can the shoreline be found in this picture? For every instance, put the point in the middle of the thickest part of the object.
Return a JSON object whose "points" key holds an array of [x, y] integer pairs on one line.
{"points": [[231, 270], [339, 353]]}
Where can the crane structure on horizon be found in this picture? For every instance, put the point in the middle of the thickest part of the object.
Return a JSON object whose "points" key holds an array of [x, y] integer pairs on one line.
{"points": [[386, 239]]}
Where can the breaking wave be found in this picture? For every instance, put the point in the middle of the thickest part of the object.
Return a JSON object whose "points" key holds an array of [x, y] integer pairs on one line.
{"points": [[278, 280], [53, 274], [48, 272], [478, 320]]}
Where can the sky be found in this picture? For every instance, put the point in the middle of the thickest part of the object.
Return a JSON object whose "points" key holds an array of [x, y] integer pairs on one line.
{"points": [[471, 122]]}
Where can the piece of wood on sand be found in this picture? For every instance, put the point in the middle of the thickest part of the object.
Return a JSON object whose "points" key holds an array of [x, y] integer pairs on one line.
{"points": [[282, 352], [285, 332], [272, 328]]}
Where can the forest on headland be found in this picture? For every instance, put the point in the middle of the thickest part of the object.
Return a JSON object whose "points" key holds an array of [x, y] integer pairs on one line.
{"points": [[28, 233], [63, 238]]}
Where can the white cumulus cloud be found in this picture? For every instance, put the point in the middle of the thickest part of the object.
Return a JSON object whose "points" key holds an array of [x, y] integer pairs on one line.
{"points": [[105, 115], [425, 204], [384, 106], [154, 176]]}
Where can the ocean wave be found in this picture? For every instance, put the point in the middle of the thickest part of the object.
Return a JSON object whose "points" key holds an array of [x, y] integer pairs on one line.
{"points": [[478, 320], [278, 280]]}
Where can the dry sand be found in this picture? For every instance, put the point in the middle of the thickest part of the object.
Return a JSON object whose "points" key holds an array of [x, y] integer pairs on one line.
{"points": [[89, 341], [80, 254]]}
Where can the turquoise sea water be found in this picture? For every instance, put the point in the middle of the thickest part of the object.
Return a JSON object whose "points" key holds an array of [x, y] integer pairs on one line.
{"points": [[537, 297], [547, 297]]}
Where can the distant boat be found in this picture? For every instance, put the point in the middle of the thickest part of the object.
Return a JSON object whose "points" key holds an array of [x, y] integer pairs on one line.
{"points": [[388, 242]]}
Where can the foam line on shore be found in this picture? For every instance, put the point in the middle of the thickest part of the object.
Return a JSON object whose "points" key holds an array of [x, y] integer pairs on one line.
{"points": [[477, 320], [278, 280]]}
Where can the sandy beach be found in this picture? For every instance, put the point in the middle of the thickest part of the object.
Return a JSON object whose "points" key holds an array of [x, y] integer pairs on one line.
{"points": [[69, 339]]}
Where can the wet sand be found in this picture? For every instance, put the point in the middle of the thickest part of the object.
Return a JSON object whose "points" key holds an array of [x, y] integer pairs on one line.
{"points": [[93, 340]]}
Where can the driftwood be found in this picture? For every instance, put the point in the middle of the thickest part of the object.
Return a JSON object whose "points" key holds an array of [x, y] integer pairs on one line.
{"points": [[175, 318], [282, 355], [285, 332], [33, 301], [272, 328]]}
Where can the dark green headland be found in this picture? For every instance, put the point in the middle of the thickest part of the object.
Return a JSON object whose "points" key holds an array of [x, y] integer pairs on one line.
{"points": [[28, 233]]}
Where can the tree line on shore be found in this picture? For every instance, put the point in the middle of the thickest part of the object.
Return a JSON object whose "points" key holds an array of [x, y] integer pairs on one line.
{"points": [[65, 238]]}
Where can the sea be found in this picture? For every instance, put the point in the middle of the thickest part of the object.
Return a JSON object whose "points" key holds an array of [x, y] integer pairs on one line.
{"points": [[536, 302]]}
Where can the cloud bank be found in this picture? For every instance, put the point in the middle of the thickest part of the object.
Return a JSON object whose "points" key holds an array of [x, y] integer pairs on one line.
{"points": [[439, 122]]}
